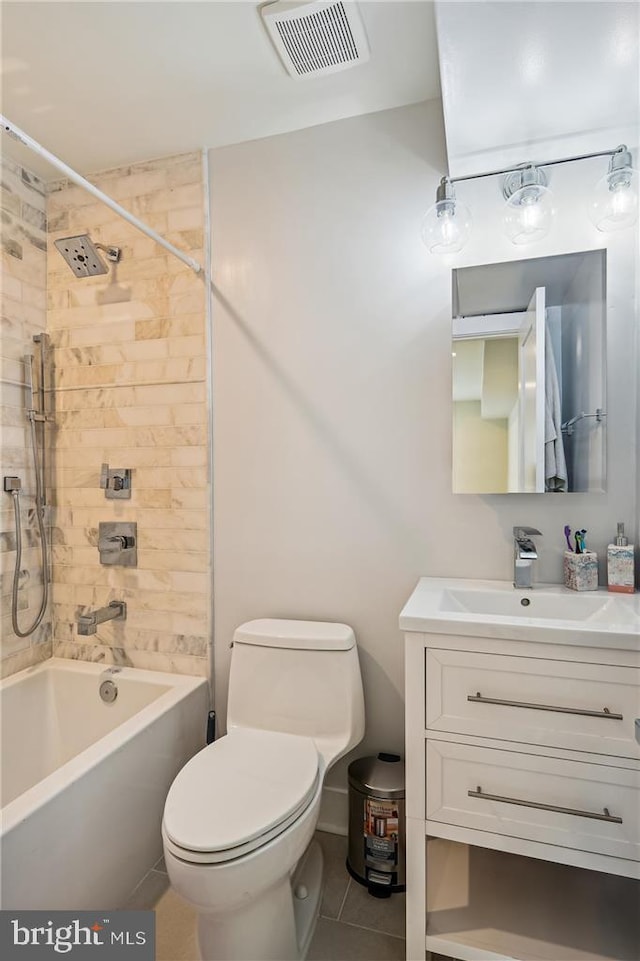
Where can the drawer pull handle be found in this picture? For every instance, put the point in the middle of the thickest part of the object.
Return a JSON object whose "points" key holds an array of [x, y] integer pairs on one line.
{"points": [[605, 816], [606, 713]]}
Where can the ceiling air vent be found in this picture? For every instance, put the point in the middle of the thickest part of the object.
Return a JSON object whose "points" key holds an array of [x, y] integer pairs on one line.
{"points": [[318, 37]]}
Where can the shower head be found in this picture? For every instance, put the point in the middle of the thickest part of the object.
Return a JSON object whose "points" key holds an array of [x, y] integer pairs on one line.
{"points": [[82, 255]]}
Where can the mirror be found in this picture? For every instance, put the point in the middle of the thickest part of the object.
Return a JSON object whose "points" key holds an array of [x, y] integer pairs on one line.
{"points": [[529, 376]]}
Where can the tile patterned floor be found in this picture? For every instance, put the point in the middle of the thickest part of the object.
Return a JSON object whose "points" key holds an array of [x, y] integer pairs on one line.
{"points": [[352, 925]]}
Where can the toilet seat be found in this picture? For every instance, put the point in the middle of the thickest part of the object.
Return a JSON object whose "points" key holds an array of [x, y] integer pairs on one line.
{"points": [[238, 793]]}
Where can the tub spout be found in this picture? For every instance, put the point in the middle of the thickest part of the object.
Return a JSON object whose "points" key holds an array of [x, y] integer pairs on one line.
{"points": [[88, 623]]}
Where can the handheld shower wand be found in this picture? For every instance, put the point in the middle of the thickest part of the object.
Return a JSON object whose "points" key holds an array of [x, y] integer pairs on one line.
{"points": [[13, 485]]}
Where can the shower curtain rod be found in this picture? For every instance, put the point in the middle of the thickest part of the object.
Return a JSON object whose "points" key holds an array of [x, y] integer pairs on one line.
{"points": [[28, 141]]}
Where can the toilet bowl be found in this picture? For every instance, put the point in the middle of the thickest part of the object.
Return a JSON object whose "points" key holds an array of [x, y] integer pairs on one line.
{"points": [[239, 818]]}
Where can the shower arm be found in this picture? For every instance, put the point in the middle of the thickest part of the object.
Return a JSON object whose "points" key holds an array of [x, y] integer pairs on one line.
{"points": [[69, 172]]}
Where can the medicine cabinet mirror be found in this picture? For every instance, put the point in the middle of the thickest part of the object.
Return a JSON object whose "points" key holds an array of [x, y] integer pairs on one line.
{"points": [[529, 376]]}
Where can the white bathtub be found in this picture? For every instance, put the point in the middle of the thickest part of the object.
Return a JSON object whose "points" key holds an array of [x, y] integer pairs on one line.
{"points": [[84, 782]]}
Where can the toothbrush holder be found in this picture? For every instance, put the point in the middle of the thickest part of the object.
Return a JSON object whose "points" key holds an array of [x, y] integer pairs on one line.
{"points": [[581, 571]]}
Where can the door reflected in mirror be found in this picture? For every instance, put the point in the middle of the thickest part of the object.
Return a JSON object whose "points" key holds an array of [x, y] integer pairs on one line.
{"points": [[529, 376]]}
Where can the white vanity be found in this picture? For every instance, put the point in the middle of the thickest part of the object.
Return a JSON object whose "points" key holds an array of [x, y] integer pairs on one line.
{"points": [[523, 772]]}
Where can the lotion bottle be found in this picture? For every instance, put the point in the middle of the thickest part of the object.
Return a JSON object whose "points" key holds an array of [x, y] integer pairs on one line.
{"points": [[620, 564]]}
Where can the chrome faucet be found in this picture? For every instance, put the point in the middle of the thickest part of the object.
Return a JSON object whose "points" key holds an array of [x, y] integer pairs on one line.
{"points": [[114, 611], [524, 554]]}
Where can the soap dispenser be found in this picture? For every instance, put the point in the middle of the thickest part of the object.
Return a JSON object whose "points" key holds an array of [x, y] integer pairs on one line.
{"points": [[620, 564]]}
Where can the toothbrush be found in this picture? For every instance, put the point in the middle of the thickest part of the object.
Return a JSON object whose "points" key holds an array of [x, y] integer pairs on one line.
{"points": [[581, 547], [567, 535]]}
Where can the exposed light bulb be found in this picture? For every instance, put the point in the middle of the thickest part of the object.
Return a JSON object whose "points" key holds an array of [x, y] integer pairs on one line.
{"points": [[529, 206], [614, 204], [622, 200], [449, 228], [528, 215], [447, 224]]}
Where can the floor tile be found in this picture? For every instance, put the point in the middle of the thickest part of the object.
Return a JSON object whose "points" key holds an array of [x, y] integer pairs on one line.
{"points": [[381, 914], [334, 941], [148, 892], [336, 877], [367, 937], [175, 929]]}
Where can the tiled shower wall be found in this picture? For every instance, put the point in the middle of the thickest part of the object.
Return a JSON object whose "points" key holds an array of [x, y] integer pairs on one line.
{"points": [[23, 314], [130, 391]]}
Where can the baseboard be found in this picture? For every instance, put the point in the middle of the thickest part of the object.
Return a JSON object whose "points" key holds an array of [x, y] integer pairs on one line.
{"points": [[334, 811]]}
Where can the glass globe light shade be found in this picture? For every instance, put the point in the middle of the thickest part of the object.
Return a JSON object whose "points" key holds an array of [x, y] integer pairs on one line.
{"points": [[446, 227], [528, 214], [614, 204]]}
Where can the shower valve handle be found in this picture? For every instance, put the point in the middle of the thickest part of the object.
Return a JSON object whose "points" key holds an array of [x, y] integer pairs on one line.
{"points": [[116, 542], [115, 481]]}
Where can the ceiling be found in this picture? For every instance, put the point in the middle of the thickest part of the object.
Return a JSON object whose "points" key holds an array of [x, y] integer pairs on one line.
{"points": [[538, 80], [102, 84]]}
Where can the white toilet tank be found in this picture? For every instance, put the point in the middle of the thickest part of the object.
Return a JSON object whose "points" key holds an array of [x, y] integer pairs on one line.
{"points": [[299, 677]]}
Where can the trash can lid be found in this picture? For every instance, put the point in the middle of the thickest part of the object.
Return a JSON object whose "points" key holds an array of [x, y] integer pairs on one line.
{"points": [[381, 776]]}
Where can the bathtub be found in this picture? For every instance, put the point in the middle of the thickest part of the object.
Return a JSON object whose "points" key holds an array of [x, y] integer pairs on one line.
{"points": [[84, 782]]}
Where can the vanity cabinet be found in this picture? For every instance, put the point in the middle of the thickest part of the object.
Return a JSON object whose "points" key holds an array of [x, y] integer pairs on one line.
{"points": [[523, 798]]}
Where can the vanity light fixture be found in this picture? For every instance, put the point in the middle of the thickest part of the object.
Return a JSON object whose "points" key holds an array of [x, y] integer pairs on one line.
{"points": [[529, 206]]}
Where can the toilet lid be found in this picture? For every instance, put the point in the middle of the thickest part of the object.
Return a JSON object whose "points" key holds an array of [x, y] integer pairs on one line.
{"points": [[240, 788]]}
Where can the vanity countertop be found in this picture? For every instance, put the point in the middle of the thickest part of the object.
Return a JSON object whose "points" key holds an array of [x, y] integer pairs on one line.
{"points": [[553, 614]]}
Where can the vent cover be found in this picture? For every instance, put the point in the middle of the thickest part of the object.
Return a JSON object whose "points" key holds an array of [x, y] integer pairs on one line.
{"points": [[318, 37]]}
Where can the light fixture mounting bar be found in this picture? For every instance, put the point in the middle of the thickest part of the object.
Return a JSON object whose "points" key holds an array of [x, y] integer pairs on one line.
{"points": [[548, 163]]}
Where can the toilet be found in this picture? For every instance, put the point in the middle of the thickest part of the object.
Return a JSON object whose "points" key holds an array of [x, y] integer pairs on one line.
{"points": [[240, 816]]}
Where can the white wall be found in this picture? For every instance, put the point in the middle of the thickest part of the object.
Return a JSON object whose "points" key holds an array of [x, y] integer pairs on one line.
{"points": [[333, 389]]}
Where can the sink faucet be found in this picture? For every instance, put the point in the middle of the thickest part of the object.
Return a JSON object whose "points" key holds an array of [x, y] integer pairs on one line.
{"points": [[524, 554], [114, 611]]}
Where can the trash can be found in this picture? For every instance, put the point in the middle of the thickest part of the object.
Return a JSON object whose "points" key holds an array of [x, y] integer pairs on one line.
{"points": [[376, 851]]}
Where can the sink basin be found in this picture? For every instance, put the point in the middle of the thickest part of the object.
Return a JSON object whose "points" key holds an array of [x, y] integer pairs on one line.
{"points": [[545, 613], [531, 603]]}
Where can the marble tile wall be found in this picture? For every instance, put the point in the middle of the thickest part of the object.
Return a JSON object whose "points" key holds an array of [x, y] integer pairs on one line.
{"points": [[130, 390], [23, 314]]}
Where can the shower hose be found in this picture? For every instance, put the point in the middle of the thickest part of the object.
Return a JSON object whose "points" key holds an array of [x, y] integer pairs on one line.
{"points": [[43, 544]]}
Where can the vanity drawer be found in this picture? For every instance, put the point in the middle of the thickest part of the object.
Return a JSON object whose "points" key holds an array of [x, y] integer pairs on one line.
{"points": [[563, 704], [588, 807]]}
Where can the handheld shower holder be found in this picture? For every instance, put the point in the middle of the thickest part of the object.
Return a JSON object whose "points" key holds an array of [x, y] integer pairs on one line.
{"points": [[12, 485]]}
